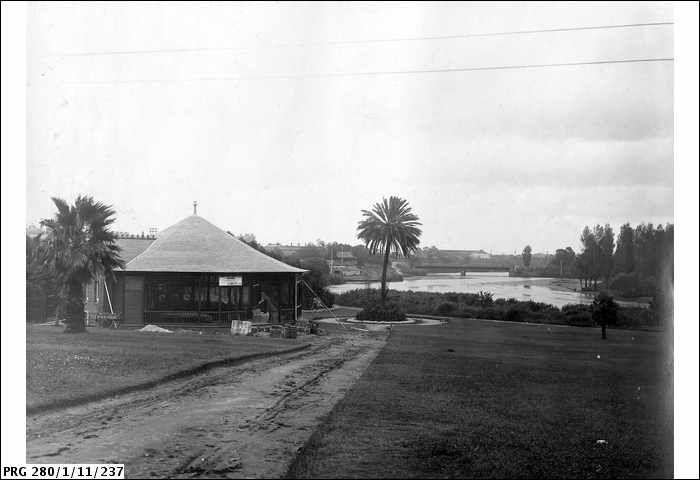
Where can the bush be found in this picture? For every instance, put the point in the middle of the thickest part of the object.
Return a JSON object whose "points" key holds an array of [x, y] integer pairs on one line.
{"points": [[604, 309], [582, 319], [517, 313], [539, 306], [378, 312], [632, 285], [470, 311], [335, 279], [576, 309], [445, 308], [485, 299], [636, 317], [624, 282], [505, 301], [358, 297], [309, 301]]}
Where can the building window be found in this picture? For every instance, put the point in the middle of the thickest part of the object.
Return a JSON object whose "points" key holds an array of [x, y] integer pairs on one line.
{"points": [[171, 293], [230, 298], [245, 296], [285, 293]]}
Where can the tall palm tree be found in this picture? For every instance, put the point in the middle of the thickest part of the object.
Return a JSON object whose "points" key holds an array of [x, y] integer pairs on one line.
{"points": [[80, 246], [389, 227]]}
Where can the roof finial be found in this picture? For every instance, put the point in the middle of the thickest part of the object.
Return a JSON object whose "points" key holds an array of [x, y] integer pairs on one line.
{"points": [[194, 204]]}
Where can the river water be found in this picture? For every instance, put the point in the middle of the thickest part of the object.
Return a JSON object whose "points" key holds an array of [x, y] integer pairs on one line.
{"points": [[555, 291]]}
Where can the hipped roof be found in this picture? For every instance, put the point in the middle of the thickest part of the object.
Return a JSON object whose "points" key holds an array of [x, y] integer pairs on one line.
{"points": [[196, 245], [130, 248]]}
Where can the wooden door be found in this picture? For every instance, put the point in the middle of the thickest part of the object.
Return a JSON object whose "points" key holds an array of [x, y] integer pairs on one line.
{"points": [[133, 300]]}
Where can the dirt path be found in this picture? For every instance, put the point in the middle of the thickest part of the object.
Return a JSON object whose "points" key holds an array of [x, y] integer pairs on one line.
{"points": [[243, 421]]}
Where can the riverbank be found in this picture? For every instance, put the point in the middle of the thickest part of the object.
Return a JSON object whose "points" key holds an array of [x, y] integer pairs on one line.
{"points": [[555, 291], [532, 275], [482, 305], [570, 284]]}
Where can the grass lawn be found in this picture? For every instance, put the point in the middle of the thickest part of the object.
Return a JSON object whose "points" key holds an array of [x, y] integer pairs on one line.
{"points": [[62, 367], [510, 400]]}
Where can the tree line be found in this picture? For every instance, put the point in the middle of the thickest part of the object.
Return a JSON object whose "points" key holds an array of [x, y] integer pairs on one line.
{"points": [[638, 262]]}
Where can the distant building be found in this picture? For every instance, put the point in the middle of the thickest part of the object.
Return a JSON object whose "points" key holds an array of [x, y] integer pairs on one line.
{"points": [[344, 263], [287, 250], [347, 270], [480, 254], [346, 258], [468, 254]]}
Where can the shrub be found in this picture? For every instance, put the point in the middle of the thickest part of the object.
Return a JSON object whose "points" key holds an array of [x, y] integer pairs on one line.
{"points": [[327, 297], [378, 312], [358, 297], [309, 301], [335, 279], [485, 299], [625, 284], [470, 311], [539, 306], [517, 313], [604, 309], [505, 301], [576, 309], [445, 308], [632, 285], [490, 313], [582, 319], [636, 317]]}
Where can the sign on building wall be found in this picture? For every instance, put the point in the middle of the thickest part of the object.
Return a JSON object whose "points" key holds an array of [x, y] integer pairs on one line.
{"points": [[235, 281]]}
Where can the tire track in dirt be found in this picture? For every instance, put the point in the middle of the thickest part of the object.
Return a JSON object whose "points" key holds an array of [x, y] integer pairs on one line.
{"points": [[242, 421]]}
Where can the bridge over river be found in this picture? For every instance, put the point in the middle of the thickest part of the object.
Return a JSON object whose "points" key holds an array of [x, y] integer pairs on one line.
{"points": [[460, 268]]}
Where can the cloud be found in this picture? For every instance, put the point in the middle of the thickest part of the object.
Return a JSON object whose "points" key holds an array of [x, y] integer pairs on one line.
{"points": [[490, 159]]}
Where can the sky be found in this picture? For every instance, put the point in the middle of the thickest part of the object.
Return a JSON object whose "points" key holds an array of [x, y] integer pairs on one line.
{"points": [[241, 107]]}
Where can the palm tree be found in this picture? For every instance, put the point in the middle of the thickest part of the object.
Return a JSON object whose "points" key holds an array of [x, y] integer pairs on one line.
{"points": [[389, 227], [79, 246]]}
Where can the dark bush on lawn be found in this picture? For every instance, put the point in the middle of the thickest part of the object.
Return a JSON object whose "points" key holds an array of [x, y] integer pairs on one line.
{"points": [[517, 313], [484, 299], [310, 301], [376, 312], [582, 319], [446, 307], [636, 317], [578, 315], [632, 285], [500, 302], [540, 307], [604, 309], [480, 312], [574, 309]]}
